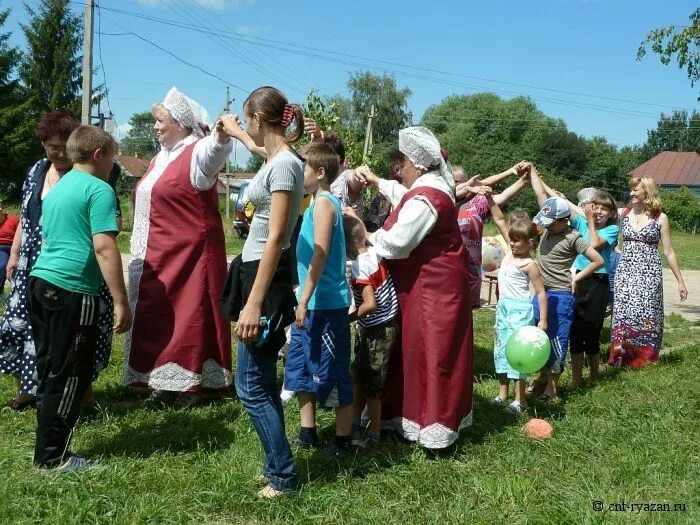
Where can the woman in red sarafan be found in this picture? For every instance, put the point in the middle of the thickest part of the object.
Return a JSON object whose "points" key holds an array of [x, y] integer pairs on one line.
{"points": [[428, 395], [179, 342]]}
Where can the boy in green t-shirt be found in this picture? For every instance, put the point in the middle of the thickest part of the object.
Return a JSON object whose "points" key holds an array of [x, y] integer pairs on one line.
{"points": [[78, 250]]}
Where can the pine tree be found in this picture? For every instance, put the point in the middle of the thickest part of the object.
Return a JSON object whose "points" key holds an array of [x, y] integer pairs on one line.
{"points": [[15, 149], [51, 70]]}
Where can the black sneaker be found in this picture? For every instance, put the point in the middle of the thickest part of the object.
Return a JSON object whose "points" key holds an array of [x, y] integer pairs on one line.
{"points": [[306, 445], [334, 452]]}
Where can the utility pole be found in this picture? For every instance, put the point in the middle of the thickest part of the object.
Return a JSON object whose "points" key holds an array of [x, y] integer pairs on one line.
{"points": [[227, 109], [368, 134], [410, 118], [87, 62]]}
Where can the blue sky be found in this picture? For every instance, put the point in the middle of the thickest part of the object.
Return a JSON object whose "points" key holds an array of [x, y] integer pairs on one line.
{"points": [[540, 48]]}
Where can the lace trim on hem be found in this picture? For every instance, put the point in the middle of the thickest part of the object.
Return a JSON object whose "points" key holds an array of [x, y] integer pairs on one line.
{"points": [[434, 436], [175, 378]]}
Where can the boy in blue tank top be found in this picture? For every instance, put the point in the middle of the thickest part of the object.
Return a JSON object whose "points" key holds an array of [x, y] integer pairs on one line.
{"points": [[318, 362]]}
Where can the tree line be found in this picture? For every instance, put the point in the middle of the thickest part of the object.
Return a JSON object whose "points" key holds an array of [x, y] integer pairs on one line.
{"points": [[482, 132]]}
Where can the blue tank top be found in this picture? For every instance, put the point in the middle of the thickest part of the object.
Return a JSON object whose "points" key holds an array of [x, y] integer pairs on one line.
{"points": [[332, 290]]}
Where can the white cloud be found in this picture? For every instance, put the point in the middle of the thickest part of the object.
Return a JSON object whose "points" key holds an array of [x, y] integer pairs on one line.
{"points": [[206, 4]]}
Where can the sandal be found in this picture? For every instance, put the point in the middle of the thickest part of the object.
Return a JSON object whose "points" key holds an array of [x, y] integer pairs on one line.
{"points": [[21, 406], [536, 387]]}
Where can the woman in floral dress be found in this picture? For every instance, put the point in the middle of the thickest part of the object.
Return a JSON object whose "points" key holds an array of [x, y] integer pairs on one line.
{"points": [[638, 312], [17, 354]]}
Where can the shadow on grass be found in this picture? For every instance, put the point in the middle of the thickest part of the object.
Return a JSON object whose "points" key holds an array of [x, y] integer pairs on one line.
{"points": [[315, 469], [143, 431], [171, 431]]}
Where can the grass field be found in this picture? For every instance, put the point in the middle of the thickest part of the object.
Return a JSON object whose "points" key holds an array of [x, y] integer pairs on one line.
{"points": [[631, 439]]}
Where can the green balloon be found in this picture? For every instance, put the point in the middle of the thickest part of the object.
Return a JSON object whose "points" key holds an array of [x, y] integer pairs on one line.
{"points": [[527, 349]]}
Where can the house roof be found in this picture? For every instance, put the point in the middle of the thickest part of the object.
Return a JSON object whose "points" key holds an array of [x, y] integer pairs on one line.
{"points": [[235, 180], [672, 168], [135, 166]]}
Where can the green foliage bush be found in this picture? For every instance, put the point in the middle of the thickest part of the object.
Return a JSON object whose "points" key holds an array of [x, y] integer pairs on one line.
{"points": [[682, 208]]}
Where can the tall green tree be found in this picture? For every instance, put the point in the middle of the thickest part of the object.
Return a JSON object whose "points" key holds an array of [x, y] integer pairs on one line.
{"points": [[16, 149], [675, 132], [141, 139], [51, 69], [391, 109], [681, 43]]}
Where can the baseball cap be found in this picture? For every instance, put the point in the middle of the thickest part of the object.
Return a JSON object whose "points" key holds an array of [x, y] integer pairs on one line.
{"points": [[553, 208]]}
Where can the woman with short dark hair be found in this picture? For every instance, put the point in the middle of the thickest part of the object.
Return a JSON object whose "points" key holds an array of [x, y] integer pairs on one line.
{"points": [[17, 354]]}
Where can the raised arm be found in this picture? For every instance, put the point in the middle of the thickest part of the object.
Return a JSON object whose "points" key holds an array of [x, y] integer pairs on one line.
{"points": [[512, 190], [209, 156], [249, 318], [671, 255], [537, 186], [498, 217], [232, 127], [391, 189], [519, 169]]}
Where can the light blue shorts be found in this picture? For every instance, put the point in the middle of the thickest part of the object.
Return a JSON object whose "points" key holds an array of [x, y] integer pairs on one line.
{"points": [[511, 314]]}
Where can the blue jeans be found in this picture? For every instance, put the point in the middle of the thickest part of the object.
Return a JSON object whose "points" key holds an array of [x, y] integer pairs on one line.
{"points": [[4, 257], [259, 392]]}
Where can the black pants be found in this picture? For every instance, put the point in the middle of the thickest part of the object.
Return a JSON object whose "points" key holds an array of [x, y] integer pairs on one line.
{"points": [[592, 297], [64, 326]]}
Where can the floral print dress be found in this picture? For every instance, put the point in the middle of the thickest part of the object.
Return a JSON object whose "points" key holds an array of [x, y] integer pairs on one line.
{"points": [[638, 310]]}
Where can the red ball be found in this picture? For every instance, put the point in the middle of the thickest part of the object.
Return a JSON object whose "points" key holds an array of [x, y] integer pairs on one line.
{"points": [[538, 429]]}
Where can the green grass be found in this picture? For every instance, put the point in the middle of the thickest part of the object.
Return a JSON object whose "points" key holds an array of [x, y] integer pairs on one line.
{"points": [[632, 438]]}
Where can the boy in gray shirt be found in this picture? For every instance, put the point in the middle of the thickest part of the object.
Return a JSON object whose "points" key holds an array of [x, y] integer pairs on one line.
{"points": [[559, 246]]}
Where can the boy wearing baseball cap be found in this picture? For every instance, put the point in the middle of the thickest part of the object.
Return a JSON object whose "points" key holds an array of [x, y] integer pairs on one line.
{"points": [[559, 246]]}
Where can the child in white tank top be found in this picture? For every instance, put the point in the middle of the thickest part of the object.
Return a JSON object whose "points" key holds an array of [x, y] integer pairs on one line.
{"points": [[514, 308]]}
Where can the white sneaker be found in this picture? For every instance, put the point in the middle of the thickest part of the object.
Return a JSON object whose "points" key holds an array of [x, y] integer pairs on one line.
{"points": [[517, 407], [497, 401], [286, 396]]}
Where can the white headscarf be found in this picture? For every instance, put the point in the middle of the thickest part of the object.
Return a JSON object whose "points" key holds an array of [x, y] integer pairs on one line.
{"points": [[186, 111], [423, 150]]}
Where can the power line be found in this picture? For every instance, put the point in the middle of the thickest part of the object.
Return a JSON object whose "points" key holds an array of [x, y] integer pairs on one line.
{"points": [[298, 80], [217, 77], [258, 41], [189, 19]]}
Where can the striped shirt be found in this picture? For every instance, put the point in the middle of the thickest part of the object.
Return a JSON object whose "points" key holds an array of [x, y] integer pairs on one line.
{"points": [[285, 172], [370, 269]]}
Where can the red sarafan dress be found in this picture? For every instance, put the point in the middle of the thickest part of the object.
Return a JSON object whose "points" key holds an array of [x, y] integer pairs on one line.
{"points": [[428, 395], [179, 340]]}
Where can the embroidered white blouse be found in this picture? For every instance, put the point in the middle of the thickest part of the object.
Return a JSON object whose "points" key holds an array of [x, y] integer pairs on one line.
{"points": [[415, 221]]}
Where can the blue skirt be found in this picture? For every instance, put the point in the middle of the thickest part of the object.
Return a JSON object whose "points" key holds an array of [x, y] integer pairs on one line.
{"points": [[511, 314]]}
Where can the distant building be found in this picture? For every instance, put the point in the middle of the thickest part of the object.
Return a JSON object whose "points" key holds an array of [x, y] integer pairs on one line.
{"points": [[134, 166], [673, 169], [235, 180]]}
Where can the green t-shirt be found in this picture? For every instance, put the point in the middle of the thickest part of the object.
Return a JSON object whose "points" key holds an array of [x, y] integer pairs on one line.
{"points": [[78, 207]]}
